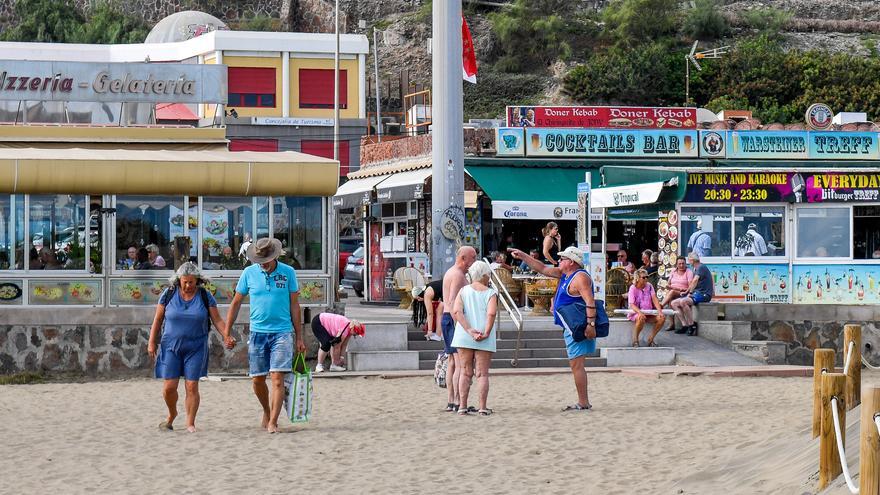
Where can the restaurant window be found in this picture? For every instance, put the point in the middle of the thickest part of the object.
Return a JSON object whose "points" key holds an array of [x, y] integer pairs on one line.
{"points": [[316, 88], [226, 223], [759, 231], [714, 233], [823, 232], [251, 87], [866, 232], [150, 233], [57, 226], [298, 225], [12, 232]]}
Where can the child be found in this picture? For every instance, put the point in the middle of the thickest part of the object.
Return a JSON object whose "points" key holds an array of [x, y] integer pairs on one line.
{"points": [[333, 332]]}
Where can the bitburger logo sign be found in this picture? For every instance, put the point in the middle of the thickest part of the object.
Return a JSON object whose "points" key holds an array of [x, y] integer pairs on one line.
{"points": [[113, 82]]}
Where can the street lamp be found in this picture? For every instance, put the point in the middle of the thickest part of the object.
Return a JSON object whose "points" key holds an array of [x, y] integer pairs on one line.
{"points": [[692, 58]]}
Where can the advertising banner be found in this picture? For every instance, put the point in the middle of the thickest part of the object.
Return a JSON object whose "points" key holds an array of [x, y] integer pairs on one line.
{"points": [[602, 117], [775, 187], [790, 145], [750, 283], [836, 284], [611, 143], [509, 142]]}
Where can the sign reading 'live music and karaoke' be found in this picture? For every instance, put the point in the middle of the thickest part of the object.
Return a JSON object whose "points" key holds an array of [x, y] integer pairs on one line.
{"points": [[610, 143], [112, 82], [774, 187], [602, 117]]}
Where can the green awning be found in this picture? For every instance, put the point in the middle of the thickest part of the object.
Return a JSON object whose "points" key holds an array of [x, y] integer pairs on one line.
{"points": [[622, 176], [505, 183]]}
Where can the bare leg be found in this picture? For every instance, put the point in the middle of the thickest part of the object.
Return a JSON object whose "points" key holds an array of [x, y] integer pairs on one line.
{"points": [[262, 393], [658, 325], [192, 404], [687, 312], [169, 393], [452, 379], [322, 356], [580, 380], [483, 359], [466, 372], [640, 323], [277, 399]]}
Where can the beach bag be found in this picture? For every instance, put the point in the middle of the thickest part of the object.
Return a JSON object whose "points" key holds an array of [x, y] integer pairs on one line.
{"points": [[440, 367], [298, 391], [574, 319]]}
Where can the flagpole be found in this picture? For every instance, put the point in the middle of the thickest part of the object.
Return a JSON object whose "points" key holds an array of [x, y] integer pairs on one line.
{"points": [[332, 221]]}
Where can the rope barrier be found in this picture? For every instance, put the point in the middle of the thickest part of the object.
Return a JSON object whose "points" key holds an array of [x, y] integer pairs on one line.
{"points": [[877, 422], [849, 482], [848, 358], [869, 365]]}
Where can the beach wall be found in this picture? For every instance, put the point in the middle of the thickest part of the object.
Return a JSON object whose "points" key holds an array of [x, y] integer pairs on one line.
{"points": [[807, 327], [101, 341]]}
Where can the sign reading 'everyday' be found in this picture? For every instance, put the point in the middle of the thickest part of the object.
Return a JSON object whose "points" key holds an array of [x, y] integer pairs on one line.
{"points": [[112, 82]]}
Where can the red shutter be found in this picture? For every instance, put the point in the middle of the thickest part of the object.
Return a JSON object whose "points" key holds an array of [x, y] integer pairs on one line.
{"points": [[316, 88], [258, 80], [253, 145], [324, 149]]}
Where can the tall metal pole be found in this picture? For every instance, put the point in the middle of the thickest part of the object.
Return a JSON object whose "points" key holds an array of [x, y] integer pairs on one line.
{"points": [[448, 136], [687, 81], [378, 101], [332, 222]]}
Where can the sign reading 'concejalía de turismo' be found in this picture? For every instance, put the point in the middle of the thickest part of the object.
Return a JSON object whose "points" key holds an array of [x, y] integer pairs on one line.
{"points": [[112, 82]]}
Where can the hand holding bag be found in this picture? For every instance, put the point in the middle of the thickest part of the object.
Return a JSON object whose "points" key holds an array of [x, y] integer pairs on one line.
{"points": [[574, 319], [298, 391]]}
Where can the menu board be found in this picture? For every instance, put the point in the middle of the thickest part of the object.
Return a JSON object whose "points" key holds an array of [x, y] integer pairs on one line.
{"points": [[667, 248], [64, 292], [313, 292], [136, 292]]}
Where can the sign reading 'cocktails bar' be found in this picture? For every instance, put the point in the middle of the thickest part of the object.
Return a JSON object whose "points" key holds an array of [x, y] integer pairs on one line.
{"points": [[610, 143], [112, 82]]}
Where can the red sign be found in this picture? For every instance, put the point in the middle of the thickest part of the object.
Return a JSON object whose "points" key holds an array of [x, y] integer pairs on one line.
{"points": [[603, 117]]}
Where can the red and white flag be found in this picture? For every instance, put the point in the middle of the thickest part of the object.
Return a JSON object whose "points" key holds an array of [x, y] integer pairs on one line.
{"points": [[468, 57]]}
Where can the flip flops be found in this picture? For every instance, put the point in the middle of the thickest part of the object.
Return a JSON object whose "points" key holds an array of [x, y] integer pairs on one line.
{"points": [[485, 412], [450, 407], [165, 426], [577, 407]]}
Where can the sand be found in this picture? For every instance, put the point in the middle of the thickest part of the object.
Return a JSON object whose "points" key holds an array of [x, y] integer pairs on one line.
{"points": [[372, 435]]}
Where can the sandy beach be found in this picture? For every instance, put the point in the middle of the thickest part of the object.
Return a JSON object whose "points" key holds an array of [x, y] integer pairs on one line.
{"points": [[373, 435]]}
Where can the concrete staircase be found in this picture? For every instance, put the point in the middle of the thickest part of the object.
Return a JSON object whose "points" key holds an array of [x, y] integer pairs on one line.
{"points": [[383, 348], [737, 335]]}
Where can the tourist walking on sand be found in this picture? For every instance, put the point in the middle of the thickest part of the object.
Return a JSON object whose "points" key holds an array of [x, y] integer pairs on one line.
{"points": [[574, 284], [453, 280], [700, 290], [274, 312], [474, 312], [183, 317]]}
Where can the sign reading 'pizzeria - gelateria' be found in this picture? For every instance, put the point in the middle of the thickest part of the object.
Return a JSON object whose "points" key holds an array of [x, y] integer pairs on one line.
{"points": [[112, 82]]}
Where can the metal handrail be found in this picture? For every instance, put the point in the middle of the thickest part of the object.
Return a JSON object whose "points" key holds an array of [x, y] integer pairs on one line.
{"points": [[512, 309]]}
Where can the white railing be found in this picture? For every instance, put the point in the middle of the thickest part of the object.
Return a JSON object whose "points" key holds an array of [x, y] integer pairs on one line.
{"points": [[511, 308]]}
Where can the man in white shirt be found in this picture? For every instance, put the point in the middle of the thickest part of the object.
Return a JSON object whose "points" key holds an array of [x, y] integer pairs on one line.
{"points": [[751, 243]]}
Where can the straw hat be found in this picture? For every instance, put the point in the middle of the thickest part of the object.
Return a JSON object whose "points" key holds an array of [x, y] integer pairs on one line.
{"points": [[264, 250]]}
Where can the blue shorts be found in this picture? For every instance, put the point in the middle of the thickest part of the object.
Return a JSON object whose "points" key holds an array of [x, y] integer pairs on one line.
{"points": [[699, 297], [578, 349], [182, 357], [447, 324], [270, 352]]}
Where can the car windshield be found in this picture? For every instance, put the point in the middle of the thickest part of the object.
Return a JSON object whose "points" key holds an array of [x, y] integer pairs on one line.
{"points": [[348, 245], [358, 253]]}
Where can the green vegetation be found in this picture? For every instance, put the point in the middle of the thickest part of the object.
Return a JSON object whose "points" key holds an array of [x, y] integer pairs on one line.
{"points": [[705, 21], [24, 378], [769, 22], [635, 22], [495, 90], [59, 21], [258, 23]]}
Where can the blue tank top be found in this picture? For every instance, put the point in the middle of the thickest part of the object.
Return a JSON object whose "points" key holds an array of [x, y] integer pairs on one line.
{"points": [[562, 297]]}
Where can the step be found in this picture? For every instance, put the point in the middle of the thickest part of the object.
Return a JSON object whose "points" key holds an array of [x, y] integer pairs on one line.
{"points": [[638, 356], [381, 337], [766, 351], [589, 362], [558, 352], [557, 343], [725, 332], [619, 333], [383, 360], [706, 312]]}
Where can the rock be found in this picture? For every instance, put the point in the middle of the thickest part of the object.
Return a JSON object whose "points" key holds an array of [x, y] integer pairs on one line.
{"points": [[7, 364], [93, 361], [50, 333], [117, 364], [30, 362], [117, 336], [132, 335], [781, 330], [800, 356], [36, 341], [97, 337], [51, 357], [811, 339], [21, 342], [75, 336]]}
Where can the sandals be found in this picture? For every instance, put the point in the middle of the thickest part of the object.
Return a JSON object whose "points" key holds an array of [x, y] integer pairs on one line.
{"points": [[577, 407], [466, 411], [485, 412], [165, 426], [652, 344], [635, 343], [450, 407]]}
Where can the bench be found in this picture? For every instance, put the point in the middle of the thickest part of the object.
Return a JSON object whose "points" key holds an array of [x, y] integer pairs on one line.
{"points": [[627, 312]]}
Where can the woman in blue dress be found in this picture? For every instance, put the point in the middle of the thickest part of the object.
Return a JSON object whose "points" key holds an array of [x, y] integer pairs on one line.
{"points": [[183, 317]]}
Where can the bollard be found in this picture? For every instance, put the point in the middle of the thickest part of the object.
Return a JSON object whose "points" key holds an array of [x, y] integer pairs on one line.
{"points": [[853, 333], [822, 359], [833, 385], [869, 445]]}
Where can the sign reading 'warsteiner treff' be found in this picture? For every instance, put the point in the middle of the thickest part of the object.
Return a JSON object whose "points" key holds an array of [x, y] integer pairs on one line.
{"points": [[112, 82]]}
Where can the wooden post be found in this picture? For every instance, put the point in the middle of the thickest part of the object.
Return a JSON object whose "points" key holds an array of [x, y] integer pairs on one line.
{"points": [[823, 359], [833, 385], [869, 448], [853, 333]]}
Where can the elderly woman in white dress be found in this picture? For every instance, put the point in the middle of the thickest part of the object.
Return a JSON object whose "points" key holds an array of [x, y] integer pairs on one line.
{"points": [[474, 313]]}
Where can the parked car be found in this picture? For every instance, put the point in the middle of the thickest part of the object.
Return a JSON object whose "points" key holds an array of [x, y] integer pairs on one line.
{"points": [[347, 245], [354, 272]]}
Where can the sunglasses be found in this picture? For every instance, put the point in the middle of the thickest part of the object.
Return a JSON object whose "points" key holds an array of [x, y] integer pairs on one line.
{"points": [[643, 278]]}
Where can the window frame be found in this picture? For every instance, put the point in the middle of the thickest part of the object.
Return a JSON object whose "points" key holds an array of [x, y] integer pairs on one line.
{"points": [[828, 259], [729, 257]]}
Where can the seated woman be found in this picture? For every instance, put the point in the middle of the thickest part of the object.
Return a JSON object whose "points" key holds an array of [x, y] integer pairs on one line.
{"points": [[642, 297], [679, 281], [499, 260]]}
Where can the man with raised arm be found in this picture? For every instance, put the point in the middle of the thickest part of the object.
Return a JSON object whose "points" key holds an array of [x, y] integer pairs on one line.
{"points": [[453, 280]]}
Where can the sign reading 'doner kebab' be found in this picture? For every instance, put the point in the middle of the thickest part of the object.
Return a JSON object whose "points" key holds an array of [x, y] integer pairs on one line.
{"points": [[608, 143], [112, 82], [792, 187], [599, 117]]}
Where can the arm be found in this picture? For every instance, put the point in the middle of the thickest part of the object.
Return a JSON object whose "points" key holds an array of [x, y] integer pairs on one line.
{"points": [[458, 316], [693, 284], [154, 330], [548, 243], [584, 286], [549, 271], [232, 312], [632, 305], [559, 241], [297, 322], [491, 311], [228, 340], [657, 305]]}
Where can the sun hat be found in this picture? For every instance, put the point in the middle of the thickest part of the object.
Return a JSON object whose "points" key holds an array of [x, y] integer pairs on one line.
{"points": [[752, 226], [574, 254], [357, 328], [264, 250]]}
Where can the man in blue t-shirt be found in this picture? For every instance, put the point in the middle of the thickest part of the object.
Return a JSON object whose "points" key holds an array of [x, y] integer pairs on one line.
{"points": [[700, 290], [274, 311]]}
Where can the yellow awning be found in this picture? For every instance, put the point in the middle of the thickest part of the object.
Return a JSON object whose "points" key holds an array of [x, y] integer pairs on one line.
{"points": [[165, 172]]}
